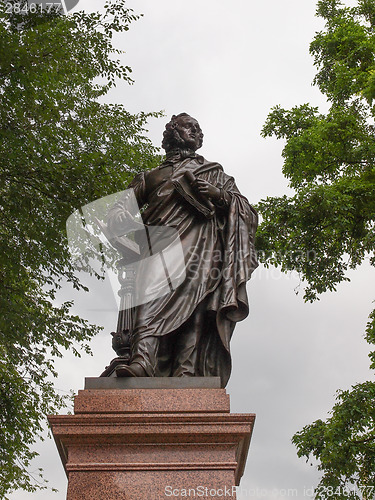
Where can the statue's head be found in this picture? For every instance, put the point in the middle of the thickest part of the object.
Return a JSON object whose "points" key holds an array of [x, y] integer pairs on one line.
{"points": [[182, 132]]}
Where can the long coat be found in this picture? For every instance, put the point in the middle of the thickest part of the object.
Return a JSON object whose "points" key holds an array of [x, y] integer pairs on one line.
{"points": [[219, 258]]}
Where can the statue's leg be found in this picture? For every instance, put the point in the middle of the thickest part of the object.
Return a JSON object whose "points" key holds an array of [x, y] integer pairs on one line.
{"points": [[143, 356], [186, 341], [174, 354], [151, 356]]}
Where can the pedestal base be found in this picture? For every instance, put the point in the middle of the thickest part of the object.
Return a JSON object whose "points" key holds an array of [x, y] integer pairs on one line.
{"points": [[152, 443]]}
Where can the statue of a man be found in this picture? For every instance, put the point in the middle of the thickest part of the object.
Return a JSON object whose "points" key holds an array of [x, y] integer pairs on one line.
{"points": [[187, 332]]}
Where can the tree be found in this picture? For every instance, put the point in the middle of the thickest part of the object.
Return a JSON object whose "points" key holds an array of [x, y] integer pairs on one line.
{"points": [[327, 226], [60, 148]]}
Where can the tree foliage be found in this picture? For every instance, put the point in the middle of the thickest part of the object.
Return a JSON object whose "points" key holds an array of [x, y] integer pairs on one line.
{"points": [[327, 226], [344, 445], [60, 148]]}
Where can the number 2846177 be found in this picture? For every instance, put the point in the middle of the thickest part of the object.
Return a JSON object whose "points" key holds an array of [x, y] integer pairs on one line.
{"points": [[31, 8]]}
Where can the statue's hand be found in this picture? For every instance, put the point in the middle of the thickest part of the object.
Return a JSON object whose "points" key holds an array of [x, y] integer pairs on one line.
{"points": [[124, 221], [117, 222], [207, 189]]}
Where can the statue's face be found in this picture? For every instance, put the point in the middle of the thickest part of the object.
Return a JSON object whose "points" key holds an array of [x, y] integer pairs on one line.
{"points": [[190, 132]]}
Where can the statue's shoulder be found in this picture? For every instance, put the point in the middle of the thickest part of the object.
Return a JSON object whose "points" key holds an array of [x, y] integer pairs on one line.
{"points": [[144, 177], [204, 165], [156, 174], [154, 171], [137, 179]]}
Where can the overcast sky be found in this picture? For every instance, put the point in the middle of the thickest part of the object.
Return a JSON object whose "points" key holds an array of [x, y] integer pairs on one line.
{"points": [[226, 64]]}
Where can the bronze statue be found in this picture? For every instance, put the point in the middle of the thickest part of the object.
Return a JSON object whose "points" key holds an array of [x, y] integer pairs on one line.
{"points": [[187, 331]]}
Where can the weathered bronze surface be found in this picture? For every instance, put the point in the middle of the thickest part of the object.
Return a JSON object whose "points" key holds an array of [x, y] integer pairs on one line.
{"points": [[187, 331]]}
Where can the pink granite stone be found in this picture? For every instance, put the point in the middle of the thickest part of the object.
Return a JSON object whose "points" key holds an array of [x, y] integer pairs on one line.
{"points": [[148, 444], [151, 400]]}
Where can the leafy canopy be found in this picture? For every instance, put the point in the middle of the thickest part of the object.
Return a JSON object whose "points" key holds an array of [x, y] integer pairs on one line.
{"points": [[327, 227], [60, 148]]}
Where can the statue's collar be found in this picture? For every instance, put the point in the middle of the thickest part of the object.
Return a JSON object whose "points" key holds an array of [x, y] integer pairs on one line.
{"points": [[176, 155]]}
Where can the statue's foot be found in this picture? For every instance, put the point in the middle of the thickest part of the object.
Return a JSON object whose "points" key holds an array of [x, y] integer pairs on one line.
{"points": [[132, 370]]}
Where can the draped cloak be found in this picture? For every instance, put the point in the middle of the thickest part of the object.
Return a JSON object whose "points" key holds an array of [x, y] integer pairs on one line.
{"points": [[219, 259]]}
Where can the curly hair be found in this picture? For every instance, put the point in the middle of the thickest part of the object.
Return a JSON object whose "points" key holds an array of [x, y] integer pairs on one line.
{"points": [[171, 137]]}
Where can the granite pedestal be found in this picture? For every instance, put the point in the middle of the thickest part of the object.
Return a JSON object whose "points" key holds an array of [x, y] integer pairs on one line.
{"points": [[152, 439]]}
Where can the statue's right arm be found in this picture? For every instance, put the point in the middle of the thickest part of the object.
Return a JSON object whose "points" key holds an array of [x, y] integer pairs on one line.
{"points": [[138, 186], [124, 210]]}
